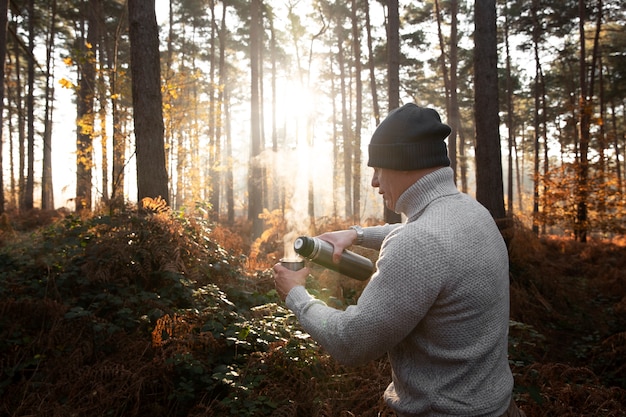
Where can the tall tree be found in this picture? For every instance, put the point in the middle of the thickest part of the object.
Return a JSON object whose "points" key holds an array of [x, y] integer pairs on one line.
{"points": [[371, 64], [47, 194], [119, 138], [147, 100], [356, 47], [537, 119], [509, 111], [214, 115], [21, 120], [84, 105], [587, 78], [393, 74], [346, 132], [255, 173], [30, 110], [3, 51], [489, 187], [101, 95], [220, 107]]}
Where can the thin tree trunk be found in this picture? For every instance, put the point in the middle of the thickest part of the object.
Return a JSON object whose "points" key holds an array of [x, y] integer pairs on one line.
{"points": [[393, 75], [333, 94], [85, 104], [618, 167], [47, 193], [546, 159], [147, 101], [214, 138], [14, 199], [489, 188], [3, 51], [454, 117], [255, 176], [310, 134], [30, 109], [230, 187], [21, 128], [510, 114], [218, 116], [370, 54], [446, 82], [537, 123], [277, 189], [356, 170], [346, 134], [586, 110], [119, 139]]}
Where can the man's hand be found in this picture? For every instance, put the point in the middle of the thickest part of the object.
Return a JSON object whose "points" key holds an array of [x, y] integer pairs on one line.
{"points": [[285, 279], [340, 240]]}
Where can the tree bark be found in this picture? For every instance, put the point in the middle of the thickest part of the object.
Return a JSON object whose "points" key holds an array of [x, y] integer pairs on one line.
{"points": [[393, 75], [119, 139], [47, 194], [585, 110], [345, 131], [147, 100], [536, 120], [85, 104], [30, 110], [255, 172], [356, 170], [489, 188], [370, 54], [3, 52], [509, 115]]}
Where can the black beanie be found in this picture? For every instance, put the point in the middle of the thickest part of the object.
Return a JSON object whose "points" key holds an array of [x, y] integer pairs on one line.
{"points": [[409, 138]]}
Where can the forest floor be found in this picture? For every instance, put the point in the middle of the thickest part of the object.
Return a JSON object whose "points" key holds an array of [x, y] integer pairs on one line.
{"points": [[165, 315]]}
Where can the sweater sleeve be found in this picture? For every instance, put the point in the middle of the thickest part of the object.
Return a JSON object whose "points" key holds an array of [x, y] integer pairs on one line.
{"points": [[389, 308], [374, 236]]}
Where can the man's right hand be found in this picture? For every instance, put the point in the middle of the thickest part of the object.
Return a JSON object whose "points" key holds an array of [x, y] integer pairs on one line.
{"points": [[340, 239]]}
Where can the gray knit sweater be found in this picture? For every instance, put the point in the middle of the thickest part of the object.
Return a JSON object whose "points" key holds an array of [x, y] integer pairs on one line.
{"points": [[438, 305]]}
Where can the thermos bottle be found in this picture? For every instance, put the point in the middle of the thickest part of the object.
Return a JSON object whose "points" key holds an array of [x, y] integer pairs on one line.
{"points": [[321, 252]]}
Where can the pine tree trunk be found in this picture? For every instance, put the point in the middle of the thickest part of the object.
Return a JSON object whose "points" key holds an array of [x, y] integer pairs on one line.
{"points": [[509, 115], [370, 54], [147, 101], [393, 75], [345, 130], [30, 111], [356, 45], [3, 52], [255, 175], [489, 187], [47, 194], [85, 115]]}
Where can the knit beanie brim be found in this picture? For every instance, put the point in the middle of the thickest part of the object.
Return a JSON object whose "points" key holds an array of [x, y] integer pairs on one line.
{"points": [[410, 138]]}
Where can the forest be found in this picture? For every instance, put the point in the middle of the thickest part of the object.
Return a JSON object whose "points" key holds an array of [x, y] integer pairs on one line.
{"points": [[158, 157]]}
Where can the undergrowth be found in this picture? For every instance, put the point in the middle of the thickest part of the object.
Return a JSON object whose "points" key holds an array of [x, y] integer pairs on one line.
{"points": [[148, 315]]}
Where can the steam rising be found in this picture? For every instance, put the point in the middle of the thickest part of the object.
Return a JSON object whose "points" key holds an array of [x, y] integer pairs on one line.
{"points": [[292, 170]]}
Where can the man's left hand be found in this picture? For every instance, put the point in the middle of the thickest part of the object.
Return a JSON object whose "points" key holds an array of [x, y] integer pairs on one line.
{"points": [[285, 279]]}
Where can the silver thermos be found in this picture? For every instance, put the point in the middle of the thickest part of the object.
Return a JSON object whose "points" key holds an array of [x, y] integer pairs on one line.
{"points": [[321, 252]]}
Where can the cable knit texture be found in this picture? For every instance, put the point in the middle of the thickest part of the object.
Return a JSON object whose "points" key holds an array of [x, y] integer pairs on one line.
{"points": [[438, 305]]}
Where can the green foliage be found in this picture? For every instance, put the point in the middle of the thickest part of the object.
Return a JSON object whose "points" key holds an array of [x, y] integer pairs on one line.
{"points": [[119, 281], [135, 315], [526, 344]]}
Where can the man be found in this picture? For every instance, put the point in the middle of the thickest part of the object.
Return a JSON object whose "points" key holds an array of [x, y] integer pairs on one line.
{"points": [[438, 303]]}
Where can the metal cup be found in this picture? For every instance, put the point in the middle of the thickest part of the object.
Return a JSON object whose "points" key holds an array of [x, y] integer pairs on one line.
{"points": [[293, 264]]}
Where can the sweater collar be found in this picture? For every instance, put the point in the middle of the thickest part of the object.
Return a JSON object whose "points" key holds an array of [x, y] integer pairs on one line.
{"points": [[418, 196]]}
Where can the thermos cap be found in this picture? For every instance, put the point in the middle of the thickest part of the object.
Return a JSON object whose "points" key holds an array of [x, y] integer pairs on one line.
{"points": [[306, 246]]}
